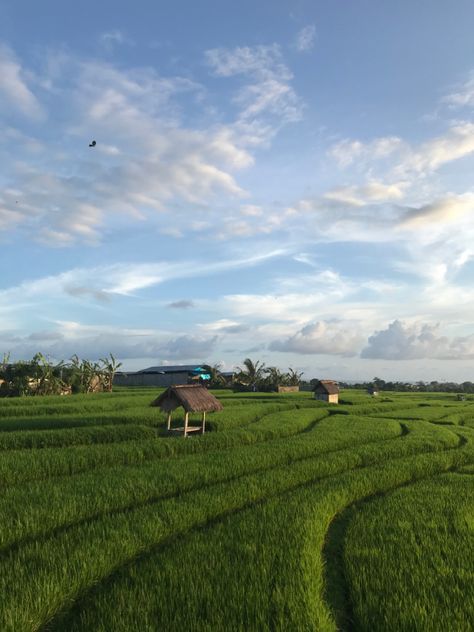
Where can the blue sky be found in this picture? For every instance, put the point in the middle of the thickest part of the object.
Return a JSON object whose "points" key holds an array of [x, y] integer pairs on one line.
{"points": [[289, 181]]}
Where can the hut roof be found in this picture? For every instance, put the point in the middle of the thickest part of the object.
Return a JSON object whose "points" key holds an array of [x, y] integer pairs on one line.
{"points": [[194, 398], [327, 386]]}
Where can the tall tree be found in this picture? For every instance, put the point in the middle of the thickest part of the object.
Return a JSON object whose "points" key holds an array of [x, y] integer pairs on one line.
{"points": [[251, 374]]}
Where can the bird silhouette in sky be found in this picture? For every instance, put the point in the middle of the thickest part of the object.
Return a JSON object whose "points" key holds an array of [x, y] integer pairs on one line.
{"points": [[92, 144]]}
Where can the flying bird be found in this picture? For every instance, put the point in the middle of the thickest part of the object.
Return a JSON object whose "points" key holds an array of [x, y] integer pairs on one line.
{"points": [[92, 144]]}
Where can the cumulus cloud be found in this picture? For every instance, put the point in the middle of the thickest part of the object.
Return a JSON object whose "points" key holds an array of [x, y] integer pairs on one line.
{"points": [[322, 337], [402, 341], [67, 338], [187, 348], [306, 38]]}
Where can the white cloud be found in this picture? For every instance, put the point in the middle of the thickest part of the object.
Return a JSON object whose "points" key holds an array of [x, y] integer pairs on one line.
{"points": [[306, 38], [439, 213], [406, 160], [373, 191], [261, 61], [251, 210], [144, 159], [13, 85], [122, 279], [348, 151], [322, 337], [463, 96], [187, 348], [94, 341], [147, 161], [110, 39], [268, 101], [432, 154], [224, 326], [401, 341]]}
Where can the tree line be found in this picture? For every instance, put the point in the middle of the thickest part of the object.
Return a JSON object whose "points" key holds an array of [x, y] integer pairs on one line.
{"points": [[420, 386], [39, 376], [253, 376]]}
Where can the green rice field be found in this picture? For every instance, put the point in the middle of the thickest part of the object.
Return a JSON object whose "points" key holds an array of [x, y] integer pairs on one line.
{"points": [[288, 515]]}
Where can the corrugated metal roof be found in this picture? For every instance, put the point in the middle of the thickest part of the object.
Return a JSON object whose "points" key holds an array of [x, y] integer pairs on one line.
{"points": [[178, 368]]}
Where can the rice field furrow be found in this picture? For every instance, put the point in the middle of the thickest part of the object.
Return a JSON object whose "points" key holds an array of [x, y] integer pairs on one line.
{"points": [[105, 525], [32, 508], [377, 479]]}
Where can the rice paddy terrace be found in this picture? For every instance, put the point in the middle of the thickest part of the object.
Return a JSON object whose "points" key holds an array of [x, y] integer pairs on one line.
{"points": [[290, 515]]}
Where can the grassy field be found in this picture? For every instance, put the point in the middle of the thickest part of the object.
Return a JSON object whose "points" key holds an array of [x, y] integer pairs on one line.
{"points": [[289, 515]]}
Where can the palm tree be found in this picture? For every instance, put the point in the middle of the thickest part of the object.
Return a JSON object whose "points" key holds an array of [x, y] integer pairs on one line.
{"points": [[294, 377], [252, 373], [275, 377], [214, 371]]}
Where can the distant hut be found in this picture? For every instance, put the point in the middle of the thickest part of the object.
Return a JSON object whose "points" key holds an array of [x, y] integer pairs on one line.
{"points": [[373, 391], [327, 391], [194, 398]]}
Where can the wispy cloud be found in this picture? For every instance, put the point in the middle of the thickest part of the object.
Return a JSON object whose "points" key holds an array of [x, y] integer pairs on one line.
{"points": [[462, 96], [306, 38], [115, 37], [347, 151], [373, 191], [14, 86], [268, 101]]}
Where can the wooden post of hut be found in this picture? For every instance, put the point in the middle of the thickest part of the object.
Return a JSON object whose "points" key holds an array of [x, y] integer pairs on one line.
{"points": [[194, 398]]}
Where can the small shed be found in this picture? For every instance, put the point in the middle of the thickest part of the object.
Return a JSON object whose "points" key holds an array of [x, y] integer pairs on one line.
{"points": [[327, 391], [194, 398]]}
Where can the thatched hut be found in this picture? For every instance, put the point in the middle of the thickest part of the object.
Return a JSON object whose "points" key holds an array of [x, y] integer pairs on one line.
{"points": [[194, 398], [327, 391]]}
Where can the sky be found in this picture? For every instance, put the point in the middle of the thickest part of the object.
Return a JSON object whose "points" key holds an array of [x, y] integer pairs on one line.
{"points": [[286, 181]]}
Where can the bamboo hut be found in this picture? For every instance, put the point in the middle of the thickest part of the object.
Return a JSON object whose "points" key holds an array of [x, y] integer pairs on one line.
{"points": [[327, 391], [194, 398]]}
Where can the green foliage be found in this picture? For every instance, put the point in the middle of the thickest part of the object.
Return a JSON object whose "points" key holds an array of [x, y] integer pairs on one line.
{"points": [[40, 377]]}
